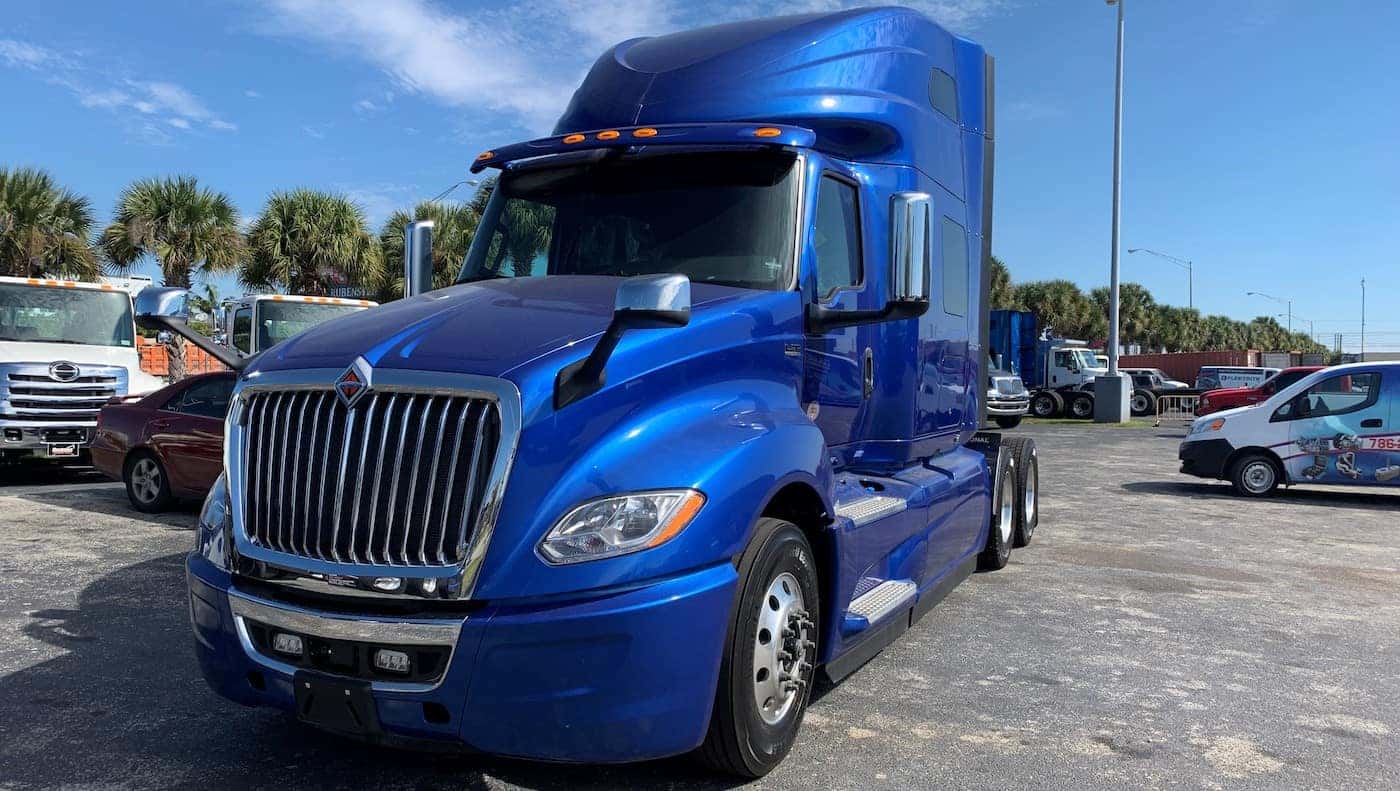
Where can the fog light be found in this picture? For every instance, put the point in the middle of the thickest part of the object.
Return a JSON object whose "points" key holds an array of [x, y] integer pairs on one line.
{"points": [[290, 644], [13, 435], [429, 585], [387, 584], [393, 661]]}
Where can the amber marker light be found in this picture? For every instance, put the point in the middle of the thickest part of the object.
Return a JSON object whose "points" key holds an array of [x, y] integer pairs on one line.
{"points": [[571, 139], [611, 134], [767, 131], [645, 131]]}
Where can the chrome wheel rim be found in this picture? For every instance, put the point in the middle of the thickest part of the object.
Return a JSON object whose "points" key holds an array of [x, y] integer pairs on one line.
{"points": [[1139, 403], [1042, 407], [1006, 509], [782, 648], [1258, 477], [1029, 504], [145, 480]]}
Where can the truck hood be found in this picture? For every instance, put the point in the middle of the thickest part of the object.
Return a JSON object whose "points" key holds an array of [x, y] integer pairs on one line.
{"points": [[491, 328], [138, 381]]}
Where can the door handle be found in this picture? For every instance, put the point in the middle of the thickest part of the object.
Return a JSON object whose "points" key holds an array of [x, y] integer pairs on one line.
{"points": [[1373, 422], [868, 374]]}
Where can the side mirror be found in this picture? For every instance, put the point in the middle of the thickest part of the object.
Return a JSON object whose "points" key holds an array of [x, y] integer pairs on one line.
{"points": [[910, 258], [909, 247], [417, 257], [642, 302], [161, 303], [167, 310], [649, 301]]}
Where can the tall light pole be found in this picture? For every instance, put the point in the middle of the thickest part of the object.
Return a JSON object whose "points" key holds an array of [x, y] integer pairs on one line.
{"points": [[1181, 262], [1363, 319], [1288, 302], [1111, 392]]}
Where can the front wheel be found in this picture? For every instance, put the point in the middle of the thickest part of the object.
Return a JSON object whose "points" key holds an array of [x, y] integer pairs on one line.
{"points": [[147, 486], [1143, 403], [1082, 406], [766, 673], [1255, 475]]}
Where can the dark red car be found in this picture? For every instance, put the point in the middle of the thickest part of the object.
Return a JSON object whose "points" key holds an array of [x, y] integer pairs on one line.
{"points": [[168, 445], [1213, 401]]}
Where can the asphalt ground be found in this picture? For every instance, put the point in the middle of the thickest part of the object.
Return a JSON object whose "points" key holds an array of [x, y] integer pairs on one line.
{"points": [[1159, 633]]}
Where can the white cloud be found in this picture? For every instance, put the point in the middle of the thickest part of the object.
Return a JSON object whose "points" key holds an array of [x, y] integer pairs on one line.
{"points": [[94, 87], [252, 94], [378, 201], [522, 58]]}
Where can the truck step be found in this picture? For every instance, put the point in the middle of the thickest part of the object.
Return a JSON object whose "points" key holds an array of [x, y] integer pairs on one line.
{"points": [[883, 599], [865, 510]]}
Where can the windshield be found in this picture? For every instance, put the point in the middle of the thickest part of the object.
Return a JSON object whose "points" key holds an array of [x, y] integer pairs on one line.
{"points": [[43, 314], [725, 218], [278, 321], [1085, 358]]}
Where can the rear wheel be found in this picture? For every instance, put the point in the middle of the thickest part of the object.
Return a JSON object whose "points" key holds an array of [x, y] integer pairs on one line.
{"points": [[997, 552], [1255, 475], [1047, 404], [1082, 406], [1144, 402], [766, 672], [1009, 422], [1027, 490], [147, 485]]}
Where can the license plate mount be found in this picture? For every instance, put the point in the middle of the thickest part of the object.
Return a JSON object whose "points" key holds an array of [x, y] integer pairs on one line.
{"points": [[63, 451], [338, 705]]}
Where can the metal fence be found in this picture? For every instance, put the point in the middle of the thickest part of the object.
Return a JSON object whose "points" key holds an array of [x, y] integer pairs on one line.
{"points": [[1176, 408]]}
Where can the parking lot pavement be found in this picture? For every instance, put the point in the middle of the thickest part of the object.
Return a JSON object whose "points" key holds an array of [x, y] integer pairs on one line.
{"points": [[1158, 633]]}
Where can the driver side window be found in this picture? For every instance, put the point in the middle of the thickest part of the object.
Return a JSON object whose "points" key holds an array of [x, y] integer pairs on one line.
{"points": [[836, 237], [1335, 395]]}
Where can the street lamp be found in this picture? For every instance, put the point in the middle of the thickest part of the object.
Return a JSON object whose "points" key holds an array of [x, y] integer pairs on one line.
{"points": [[1312, 333], [1287, 302], [1111, 401], [1181, 262]]}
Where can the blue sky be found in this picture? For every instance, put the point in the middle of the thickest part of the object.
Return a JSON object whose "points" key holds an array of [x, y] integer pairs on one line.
{"points": [[1261, 135]]}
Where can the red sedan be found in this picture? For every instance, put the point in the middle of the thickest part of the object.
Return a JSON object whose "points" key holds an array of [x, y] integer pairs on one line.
{"points": [[168, 445]]}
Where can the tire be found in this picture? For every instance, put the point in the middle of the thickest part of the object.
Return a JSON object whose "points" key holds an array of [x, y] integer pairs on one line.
{"points": [[1009, 422], [1001, 531], [745, 738], [1255, 475], [1047, 403], [1143, 403], [1027, 476], [147, 484], [1082, 406]]}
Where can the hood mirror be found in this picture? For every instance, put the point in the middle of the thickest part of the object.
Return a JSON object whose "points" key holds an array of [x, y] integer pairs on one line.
{"points": [[166, 310], [642, 302], [417, 257]]}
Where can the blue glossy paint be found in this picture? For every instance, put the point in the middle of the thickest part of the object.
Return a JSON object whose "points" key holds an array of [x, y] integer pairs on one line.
{"points": [[616, 659]]}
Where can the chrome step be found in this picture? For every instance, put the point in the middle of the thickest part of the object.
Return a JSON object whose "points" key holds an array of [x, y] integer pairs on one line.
{"points": [[868, 509], [883, 599]]}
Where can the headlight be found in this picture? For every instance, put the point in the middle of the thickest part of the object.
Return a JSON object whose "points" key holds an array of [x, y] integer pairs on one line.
{"points": [[621, 524], [212, 534]]}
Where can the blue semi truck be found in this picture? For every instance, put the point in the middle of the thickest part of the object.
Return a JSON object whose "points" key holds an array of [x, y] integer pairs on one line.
{"points": [[698, 420]]}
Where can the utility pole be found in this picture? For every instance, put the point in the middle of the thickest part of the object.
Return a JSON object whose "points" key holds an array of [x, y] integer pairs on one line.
{"points": [[1111, 391], [1363, 319]]}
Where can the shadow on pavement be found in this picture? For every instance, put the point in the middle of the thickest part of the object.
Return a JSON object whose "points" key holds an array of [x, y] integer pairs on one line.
{"points": [[1329, 498], [30, 472], [123, 704]]}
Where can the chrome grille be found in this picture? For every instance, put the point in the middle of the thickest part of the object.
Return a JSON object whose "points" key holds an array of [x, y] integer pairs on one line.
{"points": [[398, 480], [29, 393]]}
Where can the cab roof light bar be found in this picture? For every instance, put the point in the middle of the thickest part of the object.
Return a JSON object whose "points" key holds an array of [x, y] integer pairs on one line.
{"points": [[782, 135]]}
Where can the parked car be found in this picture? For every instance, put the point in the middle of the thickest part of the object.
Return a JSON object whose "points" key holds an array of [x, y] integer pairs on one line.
{"points": [[1214, 377], [168, 445], [1333, 426], [1154, 379], [1231, 397]]}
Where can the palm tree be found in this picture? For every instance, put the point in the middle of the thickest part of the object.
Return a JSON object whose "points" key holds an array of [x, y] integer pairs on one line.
{"points": [[1062, 308], [1135, 310], [188, 229], [1003, 294], [454, 226], [307, 242], [44, 228]]}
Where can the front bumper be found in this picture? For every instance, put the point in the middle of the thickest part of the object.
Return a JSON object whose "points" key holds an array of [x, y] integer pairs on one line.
{"points": [[1205, 458], [1008, 407], [31, 436], [604, 676]]}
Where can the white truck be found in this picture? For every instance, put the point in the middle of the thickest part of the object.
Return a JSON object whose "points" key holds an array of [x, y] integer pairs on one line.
{"points": [[65, 348], [256, 322]]}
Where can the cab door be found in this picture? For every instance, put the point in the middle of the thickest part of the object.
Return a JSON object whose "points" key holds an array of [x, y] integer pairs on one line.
{"points": [[1338, 430], [838, 365]]}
